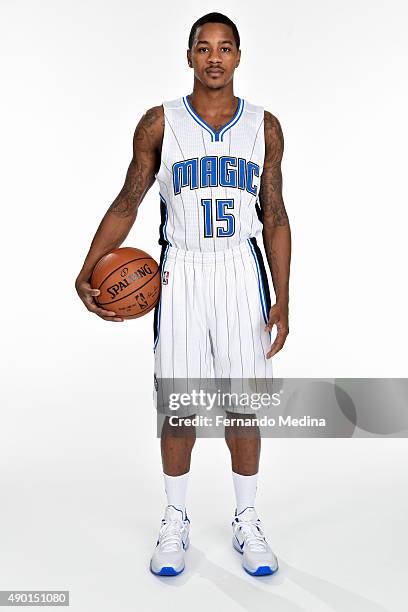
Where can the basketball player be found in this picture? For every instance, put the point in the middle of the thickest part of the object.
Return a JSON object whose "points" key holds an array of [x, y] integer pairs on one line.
{"points": [[217, 159]]}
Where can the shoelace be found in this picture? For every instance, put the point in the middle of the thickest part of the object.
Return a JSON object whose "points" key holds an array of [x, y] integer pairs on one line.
{"points": [[254, 537], [170, 536]]}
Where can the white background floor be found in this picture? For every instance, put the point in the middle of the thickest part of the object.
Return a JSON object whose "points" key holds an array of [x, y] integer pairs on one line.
{"points": [[82, 512], [81, 492]]}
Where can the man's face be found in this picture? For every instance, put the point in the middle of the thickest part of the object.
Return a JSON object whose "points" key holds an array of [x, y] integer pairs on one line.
{"points": [[214, 55]]}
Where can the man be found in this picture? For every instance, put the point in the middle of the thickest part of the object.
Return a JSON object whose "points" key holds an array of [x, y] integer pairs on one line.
{"points": [[217, 159]]}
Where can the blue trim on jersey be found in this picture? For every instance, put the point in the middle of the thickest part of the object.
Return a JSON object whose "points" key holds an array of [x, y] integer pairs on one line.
{"points": [[260, 283], [167, 217], [217, 136], [159, 311], [234, 119], [198, 119]]}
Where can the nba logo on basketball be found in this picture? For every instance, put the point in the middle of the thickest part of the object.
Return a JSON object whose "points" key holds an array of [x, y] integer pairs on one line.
{"points": [[165, 277]]}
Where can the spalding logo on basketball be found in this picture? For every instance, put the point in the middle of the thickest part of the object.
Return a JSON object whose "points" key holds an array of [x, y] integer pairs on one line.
{"points": [[129, 282]]}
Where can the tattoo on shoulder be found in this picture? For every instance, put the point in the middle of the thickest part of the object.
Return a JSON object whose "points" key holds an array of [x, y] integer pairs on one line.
{"points": [[153, 115], [273, 137], [141, 172], [270, 192], [149, 125]]}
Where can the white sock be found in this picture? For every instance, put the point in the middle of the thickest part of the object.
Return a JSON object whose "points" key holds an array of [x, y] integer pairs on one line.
{"points": [[176, 490], [245, 490]]}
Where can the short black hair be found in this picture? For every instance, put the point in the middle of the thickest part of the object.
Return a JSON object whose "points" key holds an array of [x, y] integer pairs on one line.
{"points": [[213, 18]]}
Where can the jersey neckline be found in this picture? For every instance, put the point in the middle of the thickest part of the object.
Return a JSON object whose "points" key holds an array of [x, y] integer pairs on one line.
{"points": [[215, 136]]}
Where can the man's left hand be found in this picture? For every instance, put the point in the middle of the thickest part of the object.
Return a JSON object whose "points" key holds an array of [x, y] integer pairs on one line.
{"points": [[278, 315]]}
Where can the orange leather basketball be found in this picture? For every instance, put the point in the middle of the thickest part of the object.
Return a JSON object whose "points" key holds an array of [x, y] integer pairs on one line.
{"points": [[129, 282]]}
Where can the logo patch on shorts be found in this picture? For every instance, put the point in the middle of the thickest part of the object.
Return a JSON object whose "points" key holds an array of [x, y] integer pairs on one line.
{"points": [[165, 277]]}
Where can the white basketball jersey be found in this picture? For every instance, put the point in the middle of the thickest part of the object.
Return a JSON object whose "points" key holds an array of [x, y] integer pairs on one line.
{"points": [[209, 181]]}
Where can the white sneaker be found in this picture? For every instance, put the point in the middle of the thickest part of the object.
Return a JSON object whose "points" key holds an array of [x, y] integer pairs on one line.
{"points": [[168, 556], [249, 540]]}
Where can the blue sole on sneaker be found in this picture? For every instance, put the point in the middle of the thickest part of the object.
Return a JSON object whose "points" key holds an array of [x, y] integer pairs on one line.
{"points": [[263, 570], [166, 571]]}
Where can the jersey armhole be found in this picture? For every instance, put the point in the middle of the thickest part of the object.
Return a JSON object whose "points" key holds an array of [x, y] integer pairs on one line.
{"points": [[163, 148], [261, 125]]}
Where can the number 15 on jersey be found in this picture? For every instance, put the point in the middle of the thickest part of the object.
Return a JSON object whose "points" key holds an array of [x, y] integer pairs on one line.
{"points": [[228, 219]]}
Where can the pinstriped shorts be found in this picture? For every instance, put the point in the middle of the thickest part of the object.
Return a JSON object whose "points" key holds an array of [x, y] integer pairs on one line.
{"points": [[209, 322]]}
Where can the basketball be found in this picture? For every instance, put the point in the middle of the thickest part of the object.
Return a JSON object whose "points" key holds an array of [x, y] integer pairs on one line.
{"points": [[129, 282]]}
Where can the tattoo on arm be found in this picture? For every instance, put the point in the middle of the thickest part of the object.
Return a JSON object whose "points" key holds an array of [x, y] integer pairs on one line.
{"points": [[270, 192], [141, 172], [277, 243], [128, 200]]}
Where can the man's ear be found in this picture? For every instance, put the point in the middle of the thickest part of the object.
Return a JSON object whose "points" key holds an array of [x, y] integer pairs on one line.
{"points": [[189, 58], [239, 58]]}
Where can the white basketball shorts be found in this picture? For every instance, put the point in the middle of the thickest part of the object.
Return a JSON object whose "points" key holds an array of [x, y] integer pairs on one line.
{"points": [[210, 319]]}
